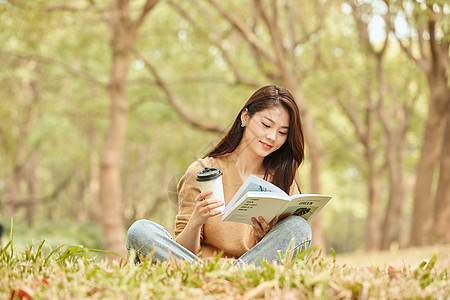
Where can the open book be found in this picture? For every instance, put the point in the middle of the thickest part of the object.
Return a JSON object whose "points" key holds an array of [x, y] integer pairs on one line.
{"points": [[258, 197]]}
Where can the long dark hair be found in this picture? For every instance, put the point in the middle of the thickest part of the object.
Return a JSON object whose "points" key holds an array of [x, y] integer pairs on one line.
{"points": [[282, 164]]}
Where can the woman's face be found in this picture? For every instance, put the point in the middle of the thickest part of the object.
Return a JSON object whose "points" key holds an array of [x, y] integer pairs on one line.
{"points": [[266, 131]]}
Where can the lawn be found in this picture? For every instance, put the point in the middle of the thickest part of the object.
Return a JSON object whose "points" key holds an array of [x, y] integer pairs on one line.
{"points": [[73, 272]]}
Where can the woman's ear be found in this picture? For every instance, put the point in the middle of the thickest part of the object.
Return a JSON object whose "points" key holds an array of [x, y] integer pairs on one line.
{"points": [[244, 117]]}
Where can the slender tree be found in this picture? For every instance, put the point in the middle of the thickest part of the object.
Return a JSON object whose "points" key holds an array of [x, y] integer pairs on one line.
{"points": [[430, 38], [442, 206], [124, 31]]}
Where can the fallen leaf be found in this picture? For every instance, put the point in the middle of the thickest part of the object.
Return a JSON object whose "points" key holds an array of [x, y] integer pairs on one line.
{"points": [[22, 293]]}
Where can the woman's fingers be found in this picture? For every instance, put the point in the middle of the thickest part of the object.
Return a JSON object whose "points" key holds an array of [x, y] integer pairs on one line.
{"points": [[265, 227], [283, 216], [256, 223], [211, 204], [274, 221], [204, 209], [206, 201], [206, 205], [203, 195], [260, 225]]}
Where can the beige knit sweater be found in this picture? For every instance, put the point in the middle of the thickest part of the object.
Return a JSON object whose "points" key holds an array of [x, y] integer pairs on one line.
{"points": [[234, 239]]}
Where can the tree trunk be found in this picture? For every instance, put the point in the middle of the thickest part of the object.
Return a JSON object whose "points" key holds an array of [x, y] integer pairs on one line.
{"points": [[80, 206], [10, 199], [110, 183], [94, 188], [389, 228], [124, 31], [442, 206], [31, 189], [316, 224], [435, 67], [111, 161], [431, 147], [403, 222], [372, 227], [400, 215], [315, 159], [374, 183]]}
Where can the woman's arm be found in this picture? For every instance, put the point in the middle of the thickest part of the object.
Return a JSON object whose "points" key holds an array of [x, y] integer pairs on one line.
{"points": [[203, 210]]}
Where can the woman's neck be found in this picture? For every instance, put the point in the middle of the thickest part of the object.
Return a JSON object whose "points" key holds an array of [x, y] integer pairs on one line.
{"points": [[247, 163]]}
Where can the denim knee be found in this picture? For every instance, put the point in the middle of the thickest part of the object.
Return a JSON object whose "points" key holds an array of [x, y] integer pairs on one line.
{"points": [[141, 237], [136, 229], [298, 228], [144, 228]]}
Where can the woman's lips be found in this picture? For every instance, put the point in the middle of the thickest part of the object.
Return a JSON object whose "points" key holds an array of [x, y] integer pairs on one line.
{"points": [[266, 146]]}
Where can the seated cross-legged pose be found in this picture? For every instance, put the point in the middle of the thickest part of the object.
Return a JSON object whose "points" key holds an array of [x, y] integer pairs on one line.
{"points": [[266, 140]]}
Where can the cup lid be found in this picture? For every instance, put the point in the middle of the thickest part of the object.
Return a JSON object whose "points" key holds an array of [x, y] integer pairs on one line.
{"points": [[208, 174]]}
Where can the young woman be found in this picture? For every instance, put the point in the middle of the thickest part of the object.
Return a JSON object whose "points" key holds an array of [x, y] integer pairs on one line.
{"points": [[266, 140]]}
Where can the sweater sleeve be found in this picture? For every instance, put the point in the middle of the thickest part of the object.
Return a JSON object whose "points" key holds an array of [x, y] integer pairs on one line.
{"points": [[188, 190]]}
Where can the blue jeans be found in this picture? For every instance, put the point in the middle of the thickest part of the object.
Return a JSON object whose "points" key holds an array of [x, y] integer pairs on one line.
{"points": [[147, 237]]}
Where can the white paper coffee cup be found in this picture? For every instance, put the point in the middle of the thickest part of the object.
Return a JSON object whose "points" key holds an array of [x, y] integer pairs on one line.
{"points": [[211, 179]]}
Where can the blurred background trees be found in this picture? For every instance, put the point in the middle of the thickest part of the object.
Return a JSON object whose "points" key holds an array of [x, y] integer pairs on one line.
{"points": [[104, 104]]}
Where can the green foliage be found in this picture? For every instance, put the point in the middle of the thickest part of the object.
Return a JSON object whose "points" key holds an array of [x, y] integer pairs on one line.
{"points": [[54, 233], [71, 272]]}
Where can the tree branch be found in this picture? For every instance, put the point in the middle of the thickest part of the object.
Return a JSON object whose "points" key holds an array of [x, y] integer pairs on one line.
{"points": [[286, 74], [174, 101], [421, 62], [90, 5], [291, 24], [67, 67], [148, 6], [272, 26], [362, 27], [351, 117], [434, 47], [245, 32], [26, 201], [240, 77]]}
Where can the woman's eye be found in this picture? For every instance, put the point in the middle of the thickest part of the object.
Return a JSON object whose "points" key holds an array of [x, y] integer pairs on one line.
{"points": [[265, 125], [283, 133]]}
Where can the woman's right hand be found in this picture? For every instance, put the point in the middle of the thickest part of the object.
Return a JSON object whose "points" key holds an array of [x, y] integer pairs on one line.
{"points": [[204, 206]]}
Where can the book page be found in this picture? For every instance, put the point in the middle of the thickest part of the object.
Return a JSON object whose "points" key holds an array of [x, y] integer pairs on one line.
{"points": [[305, 212], [253, 184], [306, 205], [265, 204]]}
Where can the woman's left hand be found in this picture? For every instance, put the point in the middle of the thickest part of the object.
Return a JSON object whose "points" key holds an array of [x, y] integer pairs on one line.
{"points": [[261, 227]]}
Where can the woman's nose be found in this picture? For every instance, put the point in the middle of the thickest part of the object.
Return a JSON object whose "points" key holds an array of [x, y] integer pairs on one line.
{"points": [[271, 135]]}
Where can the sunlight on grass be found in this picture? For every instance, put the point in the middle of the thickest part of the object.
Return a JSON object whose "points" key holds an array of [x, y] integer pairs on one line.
{"points": [[77, 272]]}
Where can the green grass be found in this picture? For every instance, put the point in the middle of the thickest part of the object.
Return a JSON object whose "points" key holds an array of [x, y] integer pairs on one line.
{"points": [[74, 272]]}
